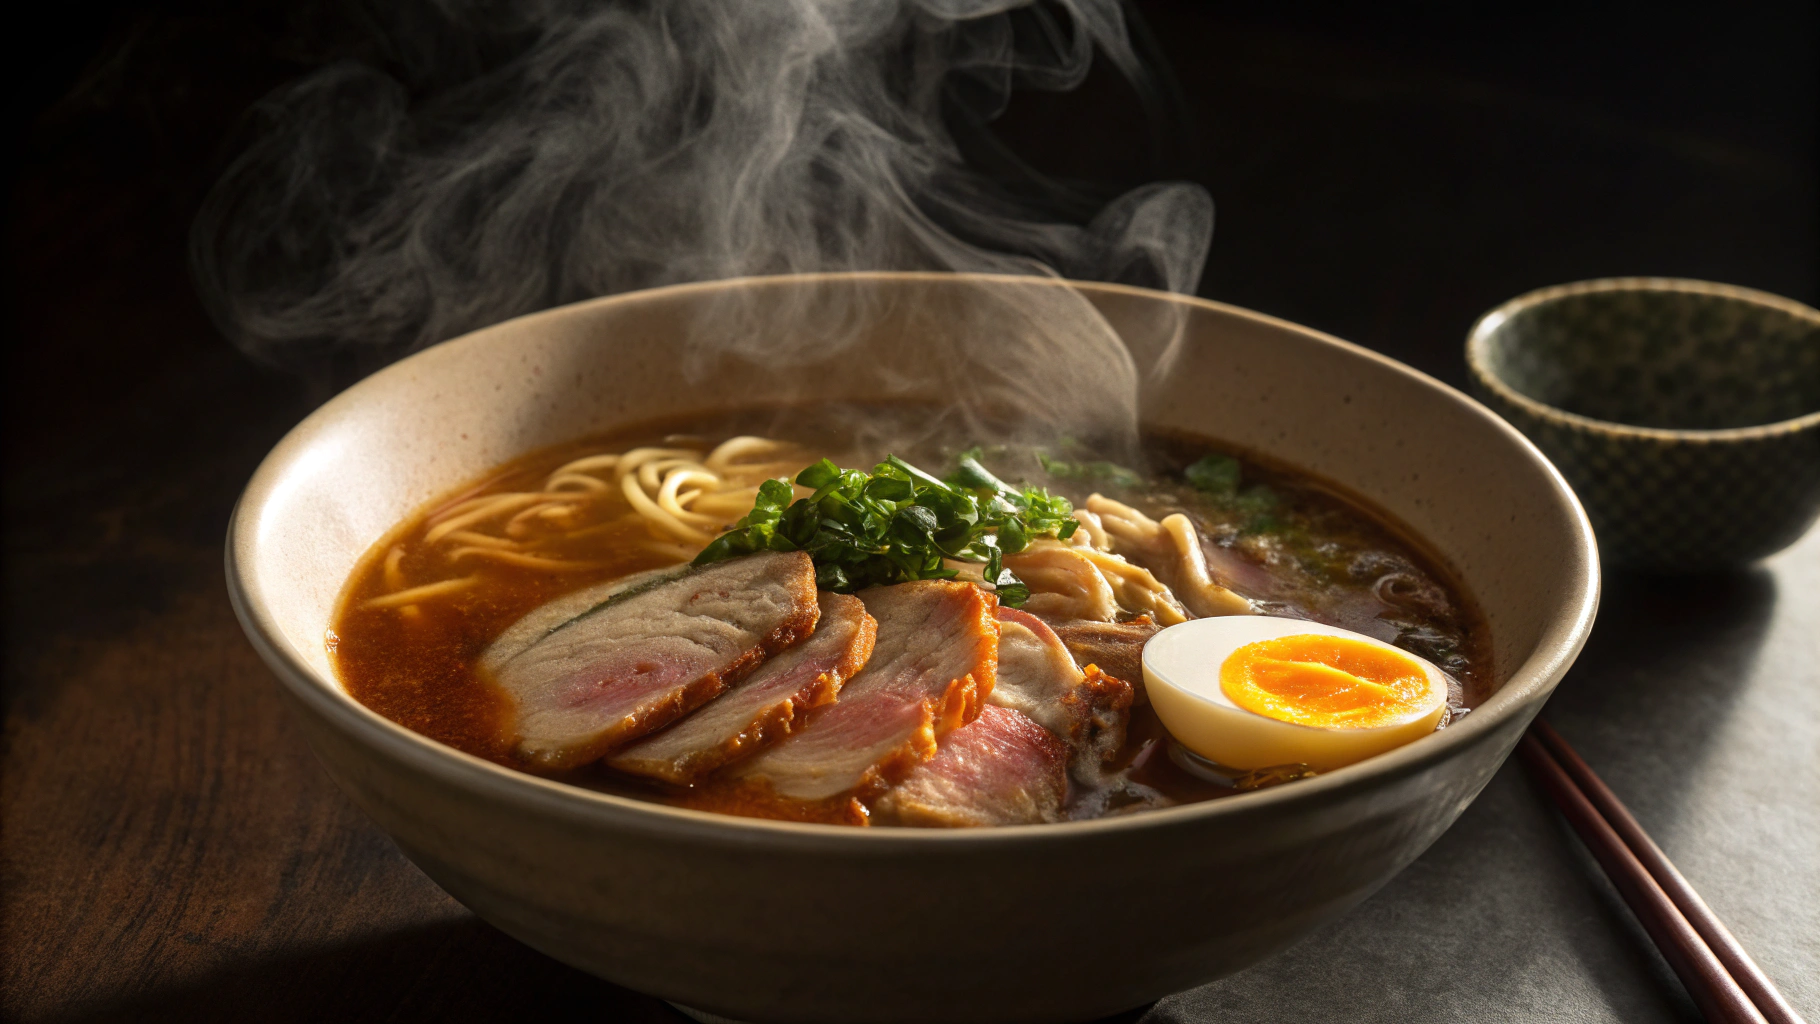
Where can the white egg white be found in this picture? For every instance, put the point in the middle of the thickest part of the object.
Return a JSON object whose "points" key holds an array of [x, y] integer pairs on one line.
{"points": [[1182, 677]]}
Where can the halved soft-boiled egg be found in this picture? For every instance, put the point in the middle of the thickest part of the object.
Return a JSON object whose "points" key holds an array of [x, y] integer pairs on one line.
{"points": [[1252, 691]]}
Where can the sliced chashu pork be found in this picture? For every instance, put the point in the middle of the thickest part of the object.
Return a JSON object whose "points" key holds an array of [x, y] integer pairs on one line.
{"points": [[583, 679], [1037, 677], [999, 769], [1010, 766], [766, 706], [1116, 647], [931, 669]]}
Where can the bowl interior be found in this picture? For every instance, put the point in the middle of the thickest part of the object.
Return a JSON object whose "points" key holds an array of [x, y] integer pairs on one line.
{"points": [[1471, 487], [1661, 355]]}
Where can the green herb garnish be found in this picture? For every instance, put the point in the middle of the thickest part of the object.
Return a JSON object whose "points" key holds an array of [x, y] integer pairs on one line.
{"points": [[1259, 504], [1096, 470], [897, 523], [1219, 477], [1214, 474]]}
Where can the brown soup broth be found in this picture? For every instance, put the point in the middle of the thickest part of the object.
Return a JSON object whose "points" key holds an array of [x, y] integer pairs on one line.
{"points": [[1301, 547]]}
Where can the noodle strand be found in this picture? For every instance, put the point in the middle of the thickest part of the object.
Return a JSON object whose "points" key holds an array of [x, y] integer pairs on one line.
{"points": [[416, 594], [682, 496]]}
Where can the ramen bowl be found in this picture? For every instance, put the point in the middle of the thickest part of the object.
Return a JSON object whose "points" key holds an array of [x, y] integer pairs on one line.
{"points": [[1685, 414], [771, 921]]}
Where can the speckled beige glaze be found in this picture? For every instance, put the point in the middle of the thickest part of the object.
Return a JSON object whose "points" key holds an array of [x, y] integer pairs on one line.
{"points": [[779, 922]]}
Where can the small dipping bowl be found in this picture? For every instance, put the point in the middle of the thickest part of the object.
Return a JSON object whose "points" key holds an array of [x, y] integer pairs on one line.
{"points": [[1685, 414]]}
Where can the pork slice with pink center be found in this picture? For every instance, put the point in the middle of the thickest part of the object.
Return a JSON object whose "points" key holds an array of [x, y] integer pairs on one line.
{"points": [[1037, 677], [591, 672], [931, 668], [768, 705], [999, 769]]}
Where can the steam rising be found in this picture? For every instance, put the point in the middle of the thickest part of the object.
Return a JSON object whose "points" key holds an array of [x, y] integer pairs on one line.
{"points": [[637, 145]]}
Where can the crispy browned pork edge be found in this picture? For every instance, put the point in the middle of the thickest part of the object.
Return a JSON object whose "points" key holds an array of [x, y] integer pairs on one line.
{"points": [[1116, 647], [686, 698], [776, 720], [959, 703], [1101, 707], [1095, 709]]}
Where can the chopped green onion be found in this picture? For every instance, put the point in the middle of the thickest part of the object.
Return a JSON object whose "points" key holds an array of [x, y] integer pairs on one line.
{"points": [[898, 523]]}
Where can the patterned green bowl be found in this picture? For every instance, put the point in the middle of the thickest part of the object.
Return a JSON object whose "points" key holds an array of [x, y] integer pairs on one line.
{"points": [[1685, 414]]}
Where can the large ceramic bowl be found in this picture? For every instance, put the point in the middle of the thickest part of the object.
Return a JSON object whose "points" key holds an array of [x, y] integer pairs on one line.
{"points": [[772, 921]]}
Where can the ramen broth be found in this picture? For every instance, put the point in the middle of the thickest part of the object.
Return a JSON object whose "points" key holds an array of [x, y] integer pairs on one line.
{"points": [[1293, 545]]}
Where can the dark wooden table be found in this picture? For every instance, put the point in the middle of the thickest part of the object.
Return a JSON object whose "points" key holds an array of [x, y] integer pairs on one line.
{"points": [[172, 851]]}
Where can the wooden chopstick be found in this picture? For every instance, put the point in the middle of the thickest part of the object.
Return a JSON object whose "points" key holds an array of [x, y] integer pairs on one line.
{"points": [[1720, 999], [1718, 938]]}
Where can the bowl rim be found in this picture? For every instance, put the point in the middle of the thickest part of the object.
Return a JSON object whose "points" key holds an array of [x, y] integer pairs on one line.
{"points": [[1478, 344], [1528, 685]]}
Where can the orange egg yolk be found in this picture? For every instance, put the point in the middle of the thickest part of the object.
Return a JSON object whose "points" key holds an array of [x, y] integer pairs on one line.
{"points": [[1324, 681]]}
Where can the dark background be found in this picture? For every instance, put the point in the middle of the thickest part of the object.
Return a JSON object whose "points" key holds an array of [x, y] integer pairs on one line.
{"points": [[1381, 172]]}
